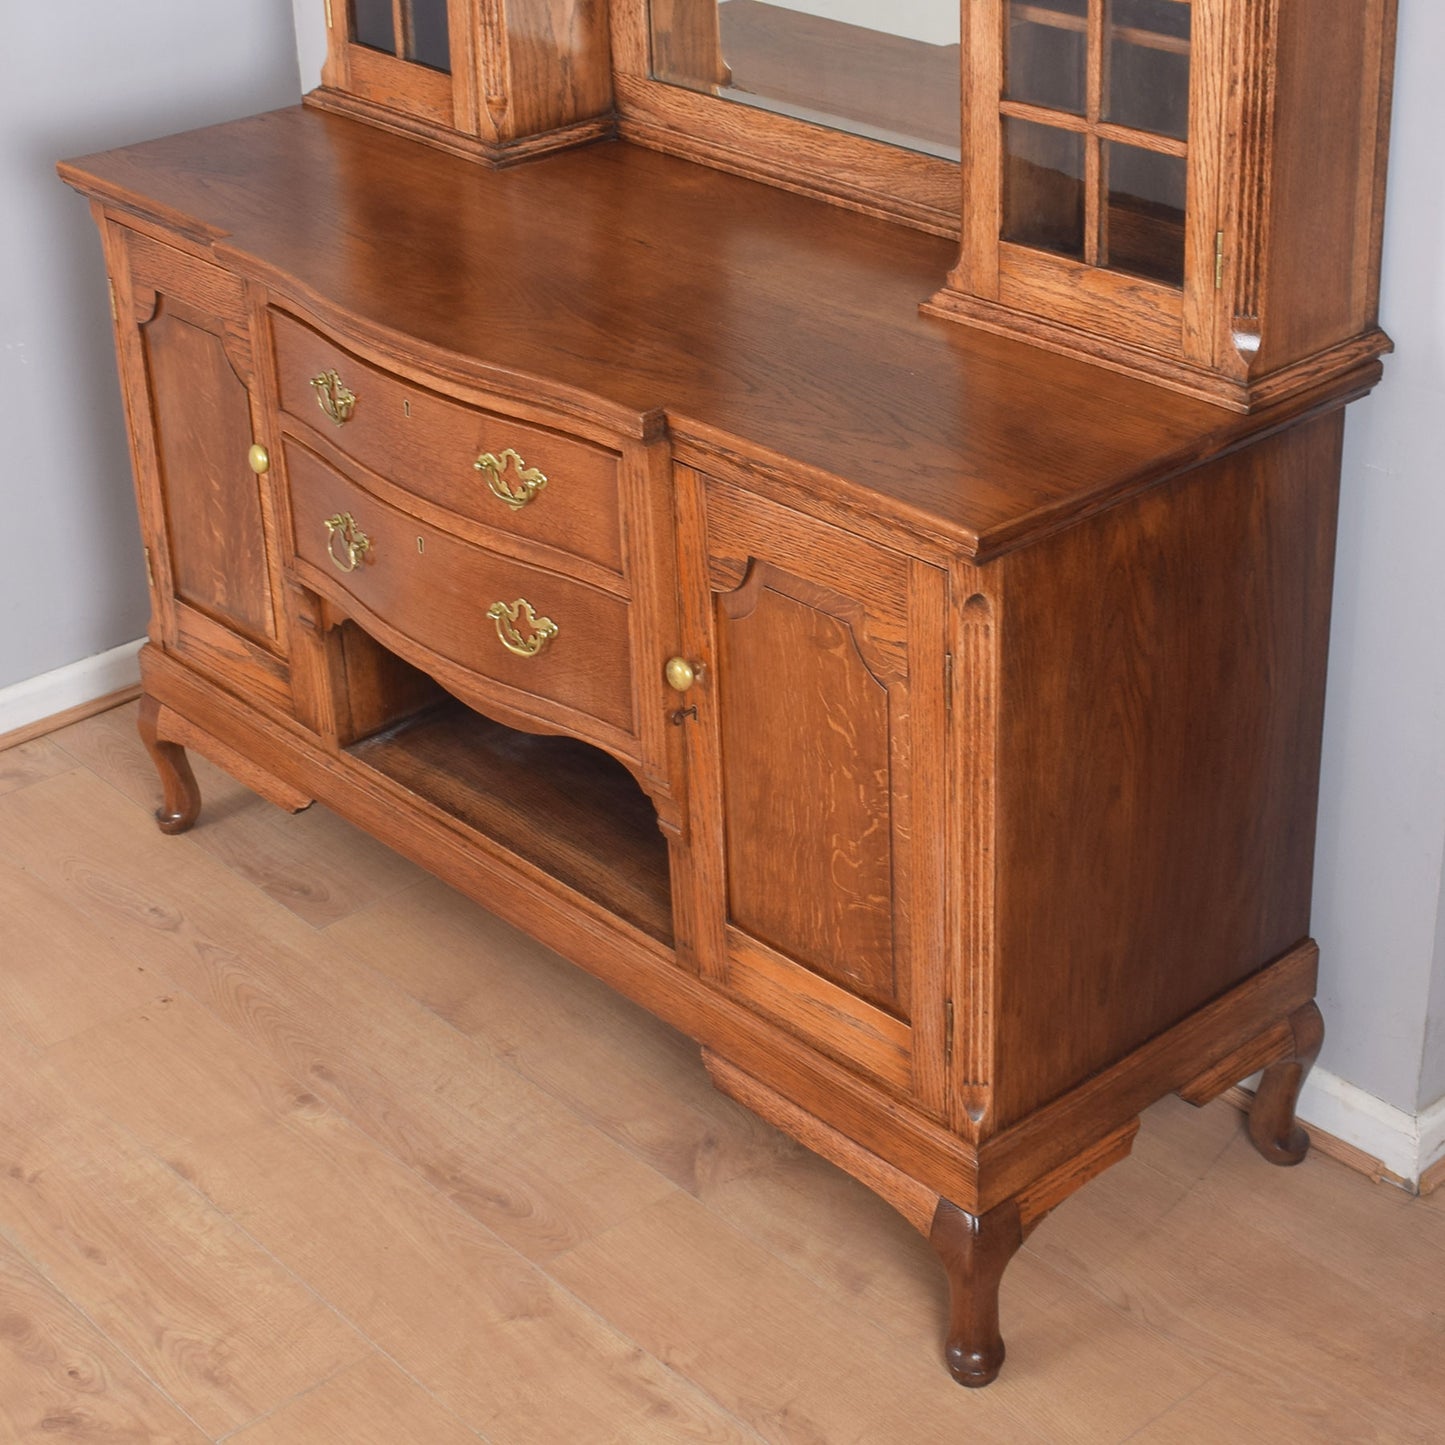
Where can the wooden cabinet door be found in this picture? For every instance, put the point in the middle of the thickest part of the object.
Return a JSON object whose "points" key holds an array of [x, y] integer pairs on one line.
{"points": [[186, 368], [817, 783]]}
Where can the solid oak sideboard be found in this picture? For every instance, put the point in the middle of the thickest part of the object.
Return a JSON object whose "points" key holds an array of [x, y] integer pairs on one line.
{"points": [[926, 723]]}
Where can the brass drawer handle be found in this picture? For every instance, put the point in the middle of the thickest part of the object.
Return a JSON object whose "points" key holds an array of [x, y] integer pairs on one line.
{"points": [[539, 630], [332, 397], [529, 481], [346, 543]]}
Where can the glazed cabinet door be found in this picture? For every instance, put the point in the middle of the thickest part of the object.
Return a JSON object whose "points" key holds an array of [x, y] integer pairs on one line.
{"points": [[816, 781], [1096, 200], [184, 340]]}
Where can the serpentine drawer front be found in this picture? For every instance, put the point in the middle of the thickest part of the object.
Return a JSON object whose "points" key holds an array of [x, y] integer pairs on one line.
{"points": [[527, 481], [556, 646]]}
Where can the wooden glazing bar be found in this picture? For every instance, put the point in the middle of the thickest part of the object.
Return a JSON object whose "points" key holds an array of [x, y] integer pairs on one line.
{"points": [[1130, 34], [1164, 145]]}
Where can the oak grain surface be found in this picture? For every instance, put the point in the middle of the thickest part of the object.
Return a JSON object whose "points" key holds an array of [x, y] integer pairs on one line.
{"points": [[820, 358]]}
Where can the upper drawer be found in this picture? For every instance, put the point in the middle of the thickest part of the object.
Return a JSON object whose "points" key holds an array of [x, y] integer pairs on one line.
{"points": [[524, 479]]}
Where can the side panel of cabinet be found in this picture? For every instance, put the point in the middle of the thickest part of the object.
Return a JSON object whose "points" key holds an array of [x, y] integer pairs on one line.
{"points": [[1335, 66], [816, 780], [1161, 694], [185, 350]]}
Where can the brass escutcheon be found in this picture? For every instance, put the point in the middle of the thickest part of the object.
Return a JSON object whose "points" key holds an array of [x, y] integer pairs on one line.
{"points": [[529, 482], [333, 398], [346, 543], [539, 630]]}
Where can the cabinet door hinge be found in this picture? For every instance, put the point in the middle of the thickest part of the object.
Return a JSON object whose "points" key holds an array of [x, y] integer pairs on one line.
{"points": [[328, 14], [114, 309], [948, 682], [948, 1033], [1219, 260], [150, 571]]}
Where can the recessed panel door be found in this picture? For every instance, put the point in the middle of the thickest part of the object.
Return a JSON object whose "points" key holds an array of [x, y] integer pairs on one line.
{"points": [[820, 723]]}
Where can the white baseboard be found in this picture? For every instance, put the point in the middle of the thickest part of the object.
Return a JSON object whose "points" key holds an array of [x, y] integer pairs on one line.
{"points": [[1406, 1144], [23, 703], [1432, 1135]]}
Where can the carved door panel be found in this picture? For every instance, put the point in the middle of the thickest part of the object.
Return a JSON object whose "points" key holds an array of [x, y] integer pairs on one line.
{"points": [[206, 515], [819, 807]]}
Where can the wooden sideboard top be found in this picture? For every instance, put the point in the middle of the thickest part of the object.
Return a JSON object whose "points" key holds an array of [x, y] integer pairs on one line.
{"points": [[757, 322]]}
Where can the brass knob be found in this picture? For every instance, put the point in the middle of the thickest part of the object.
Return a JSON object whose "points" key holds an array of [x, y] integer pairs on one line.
{"points": [[259, 458], [681, 674]]}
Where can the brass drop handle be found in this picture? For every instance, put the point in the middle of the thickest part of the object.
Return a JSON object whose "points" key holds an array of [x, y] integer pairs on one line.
{"points": [[259, 459], [336, 400], [528, 638], [346, 543], [516, 494], [681, 674]]}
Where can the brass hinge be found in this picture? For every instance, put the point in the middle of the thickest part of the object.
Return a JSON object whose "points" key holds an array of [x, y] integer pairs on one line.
{"points": [[328, 14], [948, 1033], [1219, 260], [948, 682], [114, 309], [150, 572]]}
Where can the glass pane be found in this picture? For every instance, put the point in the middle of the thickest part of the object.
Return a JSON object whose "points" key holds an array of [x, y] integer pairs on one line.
{"points": [[891, 73], [1148, 86], [1043, 187], [371, 25], [428, 43], [1047, 47], [1144, 220]]}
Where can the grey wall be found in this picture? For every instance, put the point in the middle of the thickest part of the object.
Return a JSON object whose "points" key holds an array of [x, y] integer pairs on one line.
{"points": [[1382, 806], [310, 40], [1432, 1065], [80, 77]]}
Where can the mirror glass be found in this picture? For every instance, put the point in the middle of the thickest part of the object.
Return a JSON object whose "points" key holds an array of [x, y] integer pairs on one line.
{"points": [[888, 71]]}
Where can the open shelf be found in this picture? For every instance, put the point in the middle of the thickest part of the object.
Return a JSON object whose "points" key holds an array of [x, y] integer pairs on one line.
{"points": [[563, 806]]}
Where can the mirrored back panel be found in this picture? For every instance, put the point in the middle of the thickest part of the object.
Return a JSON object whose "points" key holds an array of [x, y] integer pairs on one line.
{"points": [[884, 71]]}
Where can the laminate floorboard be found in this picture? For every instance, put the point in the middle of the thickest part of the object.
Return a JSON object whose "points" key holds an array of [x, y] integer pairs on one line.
{"points": [[298, 1147], [29, 762], [61, 1379]]}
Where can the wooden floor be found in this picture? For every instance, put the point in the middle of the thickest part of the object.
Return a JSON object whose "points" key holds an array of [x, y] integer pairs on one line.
{"points": [[297, 1145]]}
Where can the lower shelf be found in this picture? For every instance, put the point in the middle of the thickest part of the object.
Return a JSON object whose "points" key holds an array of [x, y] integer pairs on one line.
{"points": [[569, 809]]}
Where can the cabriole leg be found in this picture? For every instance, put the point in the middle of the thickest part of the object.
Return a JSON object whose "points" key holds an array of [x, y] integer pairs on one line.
{"points": [[975, 1250], [1272, 1124], [181, 798]]}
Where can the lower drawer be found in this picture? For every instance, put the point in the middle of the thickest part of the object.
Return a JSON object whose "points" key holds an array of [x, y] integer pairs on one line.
{"points": [[550, 643]]}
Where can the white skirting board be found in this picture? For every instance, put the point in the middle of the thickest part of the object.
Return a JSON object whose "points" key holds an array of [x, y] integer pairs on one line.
{"points": [[1406, 1144], [27, 702]]}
